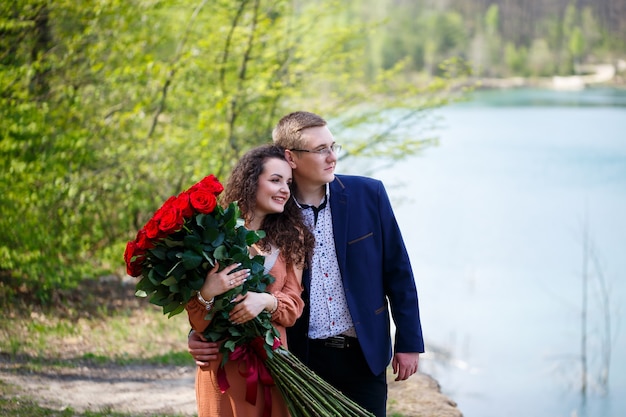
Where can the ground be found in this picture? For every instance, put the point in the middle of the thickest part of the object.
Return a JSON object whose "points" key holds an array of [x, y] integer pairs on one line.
{"points": [[135, 389], [170, 389]]}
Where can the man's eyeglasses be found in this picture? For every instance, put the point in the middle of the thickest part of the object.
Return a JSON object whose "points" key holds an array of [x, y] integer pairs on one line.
{"points": [[334, 148]]}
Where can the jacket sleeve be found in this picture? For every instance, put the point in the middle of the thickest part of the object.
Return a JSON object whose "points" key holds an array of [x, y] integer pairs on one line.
{"points": [[399, 281], [197, 312], [290, 303]]}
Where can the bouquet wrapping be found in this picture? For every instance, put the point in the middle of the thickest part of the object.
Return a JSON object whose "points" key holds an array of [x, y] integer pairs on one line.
{"points": [[185, 238]]}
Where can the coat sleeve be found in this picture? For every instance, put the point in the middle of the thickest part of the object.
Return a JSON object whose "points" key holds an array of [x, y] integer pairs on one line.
{"points": [[290, 303], [399, 281], [197, 312]]}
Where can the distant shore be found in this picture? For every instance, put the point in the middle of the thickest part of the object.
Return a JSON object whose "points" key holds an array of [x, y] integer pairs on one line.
{"points": [[590, 75]]}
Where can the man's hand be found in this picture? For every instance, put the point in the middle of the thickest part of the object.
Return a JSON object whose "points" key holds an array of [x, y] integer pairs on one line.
{"points": [[201, 349], [405, 364]]}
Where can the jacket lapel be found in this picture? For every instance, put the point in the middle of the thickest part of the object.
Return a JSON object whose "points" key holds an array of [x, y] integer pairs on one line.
{"points": [[339, 199]]}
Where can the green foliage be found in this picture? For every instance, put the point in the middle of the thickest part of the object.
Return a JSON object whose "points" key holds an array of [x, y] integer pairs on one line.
{"points": [[516, 59], [576, 43], [426, 33], [541, 59], [60, 168], [108, 107], [492, 19]]}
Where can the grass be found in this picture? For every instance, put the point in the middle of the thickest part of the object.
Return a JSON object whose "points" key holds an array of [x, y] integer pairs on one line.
{"points": [[99, 323], [114, 326]]}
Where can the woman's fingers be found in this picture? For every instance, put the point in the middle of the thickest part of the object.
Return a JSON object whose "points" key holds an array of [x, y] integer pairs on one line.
{"points": [[238, 277], [224, 280]]}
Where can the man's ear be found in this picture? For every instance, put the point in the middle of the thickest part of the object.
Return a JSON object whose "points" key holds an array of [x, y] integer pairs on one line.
{"points": [[290, 159]]}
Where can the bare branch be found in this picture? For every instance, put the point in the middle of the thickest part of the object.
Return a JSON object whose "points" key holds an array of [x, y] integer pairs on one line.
{"points": [[174, 64]]}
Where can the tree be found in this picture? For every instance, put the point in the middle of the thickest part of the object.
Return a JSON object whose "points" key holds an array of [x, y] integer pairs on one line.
{"points": [[107, 108]]}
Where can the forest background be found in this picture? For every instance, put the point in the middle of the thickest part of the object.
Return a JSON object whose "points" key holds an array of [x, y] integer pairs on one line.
{"points": [[109, 107]]}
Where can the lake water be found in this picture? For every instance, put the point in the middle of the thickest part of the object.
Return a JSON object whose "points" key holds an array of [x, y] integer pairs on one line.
{"points": [[494, 219]]}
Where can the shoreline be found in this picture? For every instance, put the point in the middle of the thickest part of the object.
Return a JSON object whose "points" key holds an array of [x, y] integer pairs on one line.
{"points": [[613, 75]]}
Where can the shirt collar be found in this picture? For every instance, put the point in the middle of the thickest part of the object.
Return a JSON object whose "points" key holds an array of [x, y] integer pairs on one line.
{"points": [[322, 203]]}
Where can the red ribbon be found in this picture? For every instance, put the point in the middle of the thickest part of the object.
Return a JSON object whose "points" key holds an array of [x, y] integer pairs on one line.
{"points": [[253, 357]]}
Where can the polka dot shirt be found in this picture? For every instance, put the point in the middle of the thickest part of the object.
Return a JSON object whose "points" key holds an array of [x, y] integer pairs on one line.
{"points": [[329, 310]]}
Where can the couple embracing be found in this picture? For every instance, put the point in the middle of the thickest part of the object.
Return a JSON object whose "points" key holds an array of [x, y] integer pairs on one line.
{"points": [[340, 266]]}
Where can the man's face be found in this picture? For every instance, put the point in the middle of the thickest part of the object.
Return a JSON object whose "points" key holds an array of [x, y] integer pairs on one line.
{"points": [[317, 166]]}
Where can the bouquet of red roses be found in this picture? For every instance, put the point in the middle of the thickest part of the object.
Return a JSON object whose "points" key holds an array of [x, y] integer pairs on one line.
{"points": [[173, 253]]}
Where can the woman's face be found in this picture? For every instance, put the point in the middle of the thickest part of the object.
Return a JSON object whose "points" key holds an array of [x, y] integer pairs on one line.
{"points": [[273, 190]]}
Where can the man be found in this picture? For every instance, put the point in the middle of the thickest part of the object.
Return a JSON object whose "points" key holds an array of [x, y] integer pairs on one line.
{"points": [[360, 270]]}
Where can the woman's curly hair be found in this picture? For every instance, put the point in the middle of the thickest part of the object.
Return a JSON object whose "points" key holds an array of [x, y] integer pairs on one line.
{"points": [[285, 230]]}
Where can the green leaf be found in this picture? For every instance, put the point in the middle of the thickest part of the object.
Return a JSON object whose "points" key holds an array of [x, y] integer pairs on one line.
{"points": [[195, 281], [252, 236], [220, 253], [169, 281], [161, 270], [193, 242], [235, 331], [154, 277], [146, 285], [230, 345], [159, 252], [160, 297], [173, 308], [240, 257], [256, 267], [210, 234], [218, 239], [190, 259]]}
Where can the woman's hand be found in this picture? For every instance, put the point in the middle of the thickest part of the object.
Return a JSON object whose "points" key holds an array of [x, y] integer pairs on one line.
{"points": [[250, 305], [217, 283]]}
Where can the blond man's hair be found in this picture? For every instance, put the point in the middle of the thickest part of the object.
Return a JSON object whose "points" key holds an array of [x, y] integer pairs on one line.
{"points": [[288, 132]]}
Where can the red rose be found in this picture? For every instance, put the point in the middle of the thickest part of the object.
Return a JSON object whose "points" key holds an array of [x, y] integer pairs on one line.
{"points": [[152, 229], [202, 200], [143, 242], [212, 184], [170, 219], [134, 256], [276, 344], [184, 205]]}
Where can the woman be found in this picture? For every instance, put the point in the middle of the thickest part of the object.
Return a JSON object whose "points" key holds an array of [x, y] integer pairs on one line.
{"points": [[260, 185]]}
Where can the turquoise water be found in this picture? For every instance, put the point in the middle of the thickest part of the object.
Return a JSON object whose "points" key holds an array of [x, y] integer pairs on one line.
{"points": [[495, 219]]}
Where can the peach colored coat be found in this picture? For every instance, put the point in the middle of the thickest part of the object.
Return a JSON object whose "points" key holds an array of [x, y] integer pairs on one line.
{"points": [[211, 402]]}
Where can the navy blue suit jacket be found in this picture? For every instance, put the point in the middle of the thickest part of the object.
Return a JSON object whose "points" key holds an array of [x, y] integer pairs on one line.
{"points": [[375, 270]]}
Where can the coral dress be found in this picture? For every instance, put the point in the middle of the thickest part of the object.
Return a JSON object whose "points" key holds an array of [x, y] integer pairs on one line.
{"points": [[232, 403]]}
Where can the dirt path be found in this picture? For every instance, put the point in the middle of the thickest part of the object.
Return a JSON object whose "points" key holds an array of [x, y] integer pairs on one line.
{"points": [[151, 390], [129, 389]]}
